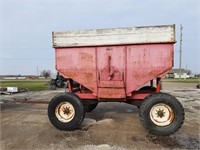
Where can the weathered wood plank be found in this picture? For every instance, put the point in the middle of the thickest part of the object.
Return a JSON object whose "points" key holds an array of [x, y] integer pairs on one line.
{"points": [[115, 36]]}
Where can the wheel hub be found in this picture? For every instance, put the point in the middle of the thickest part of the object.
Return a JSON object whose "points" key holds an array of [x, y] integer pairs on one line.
{"points": [[161, 114], [65, 112]]}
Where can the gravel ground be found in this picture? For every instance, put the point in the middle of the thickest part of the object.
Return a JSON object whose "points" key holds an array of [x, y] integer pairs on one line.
{"points": [[110, 126]]}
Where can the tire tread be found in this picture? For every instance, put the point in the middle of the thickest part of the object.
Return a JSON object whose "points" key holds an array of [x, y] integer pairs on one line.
{"points": [[148, 100]]}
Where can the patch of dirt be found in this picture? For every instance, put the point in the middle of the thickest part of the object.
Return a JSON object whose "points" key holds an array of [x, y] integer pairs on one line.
{"points": [[110, 126]]}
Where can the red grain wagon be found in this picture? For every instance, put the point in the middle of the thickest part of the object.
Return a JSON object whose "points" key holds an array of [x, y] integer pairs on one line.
{"points": [[112, 65]]}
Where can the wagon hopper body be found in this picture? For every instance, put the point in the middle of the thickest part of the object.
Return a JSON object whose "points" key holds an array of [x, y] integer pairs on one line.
{"points": [[111, 65]]}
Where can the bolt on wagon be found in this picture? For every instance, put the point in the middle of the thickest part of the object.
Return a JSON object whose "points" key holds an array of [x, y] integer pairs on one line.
{"points": [[112, 65]]}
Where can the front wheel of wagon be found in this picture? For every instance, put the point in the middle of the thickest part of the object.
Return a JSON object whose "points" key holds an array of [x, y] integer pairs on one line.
{"points": [[66, 111], [161, 114]]}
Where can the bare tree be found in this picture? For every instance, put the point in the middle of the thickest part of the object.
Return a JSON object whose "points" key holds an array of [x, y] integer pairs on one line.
{"points": [[46, 73], [189, 72]]}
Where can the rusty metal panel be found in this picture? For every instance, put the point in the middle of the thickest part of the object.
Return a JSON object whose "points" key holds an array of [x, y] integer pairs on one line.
{"points": [[114, 70], [115, 36], [111, 93], [111, 63], [111, 84], [111, 70], [78, 64], [146, 62]]}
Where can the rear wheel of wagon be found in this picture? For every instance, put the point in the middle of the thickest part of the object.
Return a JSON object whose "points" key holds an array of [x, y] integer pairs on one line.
{"points": [[161, 114], [66, 111]]}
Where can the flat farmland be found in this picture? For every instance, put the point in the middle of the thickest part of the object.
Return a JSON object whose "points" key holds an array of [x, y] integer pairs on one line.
{"points": [[32, 85]]}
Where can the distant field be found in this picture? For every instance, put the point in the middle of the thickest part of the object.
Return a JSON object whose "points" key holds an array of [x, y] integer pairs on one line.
{"points": [[190, 80], [32, 85], [40, 85]]}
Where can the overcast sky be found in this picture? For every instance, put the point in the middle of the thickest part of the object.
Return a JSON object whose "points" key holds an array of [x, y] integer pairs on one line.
{"points": [[27, 25]]}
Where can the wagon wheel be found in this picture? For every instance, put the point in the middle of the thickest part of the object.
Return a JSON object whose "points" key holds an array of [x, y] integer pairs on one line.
{"points": [[89, 106], [66, 111], [161, 114]]}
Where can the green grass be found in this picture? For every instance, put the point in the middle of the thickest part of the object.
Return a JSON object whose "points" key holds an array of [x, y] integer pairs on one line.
{"points": [[190, 80], [40, 85], [32, 85]]}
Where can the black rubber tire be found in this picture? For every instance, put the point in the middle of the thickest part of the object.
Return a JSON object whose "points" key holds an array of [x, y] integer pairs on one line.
{"points": [[76, 102], [169, 100], [147, 88], [89, 106]]}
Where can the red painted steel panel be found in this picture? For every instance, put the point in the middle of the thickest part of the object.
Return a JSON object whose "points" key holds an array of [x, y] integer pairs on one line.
{"points": [[115, 55], [78, 64], [111, 69], [86, 95], [114, 71], [111, 93], [146, 62], [115, 84]]}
